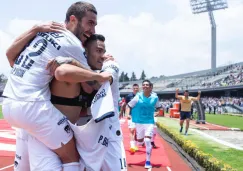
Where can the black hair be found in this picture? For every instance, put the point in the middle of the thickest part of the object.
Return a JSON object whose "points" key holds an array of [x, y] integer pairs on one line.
{"points": [[94, 37], [148, 82]]}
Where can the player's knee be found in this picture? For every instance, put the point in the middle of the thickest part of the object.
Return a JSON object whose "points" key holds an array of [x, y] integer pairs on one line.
{"points": [[68, 152], [147, 141]]}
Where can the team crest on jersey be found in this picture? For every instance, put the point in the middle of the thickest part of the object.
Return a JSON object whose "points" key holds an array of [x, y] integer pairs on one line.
{"points": [[67, 128]]}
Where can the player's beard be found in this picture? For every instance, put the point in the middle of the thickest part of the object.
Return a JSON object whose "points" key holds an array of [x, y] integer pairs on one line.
{"points": [[79, 33]]}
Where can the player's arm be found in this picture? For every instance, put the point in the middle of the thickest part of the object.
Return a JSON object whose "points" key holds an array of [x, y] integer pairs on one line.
{"points": [[19, 44], [198, 97], [74, 74], [176, 94], [131, 104]]}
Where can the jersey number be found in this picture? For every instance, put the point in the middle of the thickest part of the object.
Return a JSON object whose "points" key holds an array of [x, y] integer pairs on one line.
{"points": [[25, 62], [123, 163]]}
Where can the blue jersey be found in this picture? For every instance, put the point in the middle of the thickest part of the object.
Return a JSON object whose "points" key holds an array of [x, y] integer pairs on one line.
{"points": [[143, 108]]}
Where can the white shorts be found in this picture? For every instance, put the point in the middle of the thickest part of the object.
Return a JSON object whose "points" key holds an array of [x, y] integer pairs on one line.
{"points": [[31, 154], [143, 130], [115, 130], [92, 143], [42, 158], [131, 125], [40, 119], [115, 158], [21, 161]]}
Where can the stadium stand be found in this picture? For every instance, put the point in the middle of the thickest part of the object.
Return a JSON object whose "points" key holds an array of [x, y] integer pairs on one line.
{"points": [[222, 89]]}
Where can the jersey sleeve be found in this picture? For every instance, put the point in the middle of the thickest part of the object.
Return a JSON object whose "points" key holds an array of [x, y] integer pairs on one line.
{"points": [[113, 68], [133, 102], [73, 48]]}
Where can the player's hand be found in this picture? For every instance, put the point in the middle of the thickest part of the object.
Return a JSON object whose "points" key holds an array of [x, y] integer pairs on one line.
{"points": [[199, 92], [104, 76], [50, 27], [108, 57], [177, 90], [52, 66], [128, 117]]}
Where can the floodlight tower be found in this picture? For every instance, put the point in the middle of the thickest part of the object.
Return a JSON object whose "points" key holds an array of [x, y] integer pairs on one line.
{"points": [[201, 6]]}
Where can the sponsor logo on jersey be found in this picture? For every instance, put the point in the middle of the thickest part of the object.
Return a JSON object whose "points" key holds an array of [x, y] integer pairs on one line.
{"points": [[61, 121], [99, 95], [115, 68]]}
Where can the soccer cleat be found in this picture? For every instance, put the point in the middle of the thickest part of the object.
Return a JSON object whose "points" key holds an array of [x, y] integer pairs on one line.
{"points": [[186, 133], [153, 145], [147, 165], [132, 150], [181, 129]]}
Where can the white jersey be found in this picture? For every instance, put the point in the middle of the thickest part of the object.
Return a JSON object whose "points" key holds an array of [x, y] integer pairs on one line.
{"points": [[113, 68], [102, 105], [29, 80]]}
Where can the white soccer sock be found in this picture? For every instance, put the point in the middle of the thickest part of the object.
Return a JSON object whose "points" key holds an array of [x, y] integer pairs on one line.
{"points": [[154, 134], [148, 148], [132, 144], [74, 166]]}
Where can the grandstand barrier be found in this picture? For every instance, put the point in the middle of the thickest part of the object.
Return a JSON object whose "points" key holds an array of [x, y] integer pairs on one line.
{"points": [[176, 115], [172, 111], [176, 105]]}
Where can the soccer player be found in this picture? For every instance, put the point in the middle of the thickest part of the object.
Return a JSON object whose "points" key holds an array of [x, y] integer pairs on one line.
{"points": [[144, 104], [114, 157], [131, 125], [27, 90], [186, 104]]}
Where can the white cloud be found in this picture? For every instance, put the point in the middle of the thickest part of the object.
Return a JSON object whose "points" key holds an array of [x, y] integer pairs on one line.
{"points": [[159, 47], [14, 28], [177, 46]]}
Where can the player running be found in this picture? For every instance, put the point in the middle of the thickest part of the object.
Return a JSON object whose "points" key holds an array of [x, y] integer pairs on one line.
{"points": [[143, 106]]}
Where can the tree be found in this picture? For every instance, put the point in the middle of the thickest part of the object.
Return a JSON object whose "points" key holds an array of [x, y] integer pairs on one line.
{"points": [[143, 76], [126, 78], [133, 77], [121, 78]]}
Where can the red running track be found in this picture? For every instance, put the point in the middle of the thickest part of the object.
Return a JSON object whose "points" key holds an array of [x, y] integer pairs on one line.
{"points": [[164, 158]]}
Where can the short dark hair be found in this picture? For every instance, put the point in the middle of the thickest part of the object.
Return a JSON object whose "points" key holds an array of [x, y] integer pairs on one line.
{"points": [[135, 85], [94, 37], [79, 9], [147, 81], [186, 91]]}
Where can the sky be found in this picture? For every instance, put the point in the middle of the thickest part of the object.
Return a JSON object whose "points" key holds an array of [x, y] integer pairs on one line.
{"points": [[161, 37]]}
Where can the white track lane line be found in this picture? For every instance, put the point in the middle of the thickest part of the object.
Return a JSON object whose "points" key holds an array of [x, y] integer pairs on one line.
{"points": [[7, 167]]}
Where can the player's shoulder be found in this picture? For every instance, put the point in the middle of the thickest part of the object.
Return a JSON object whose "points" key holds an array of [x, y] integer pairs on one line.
{"points": [[67, 38]]}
